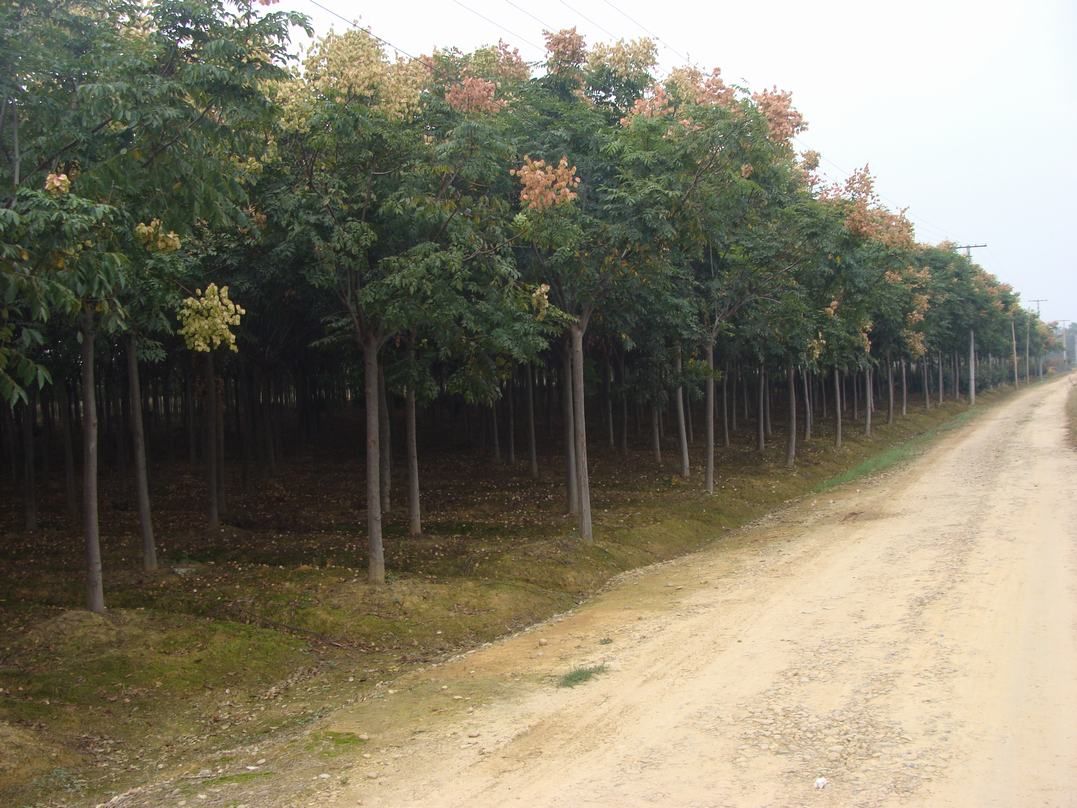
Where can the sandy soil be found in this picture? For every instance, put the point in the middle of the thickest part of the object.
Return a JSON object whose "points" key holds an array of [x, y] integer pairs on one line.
{"points": [[913, 641]]}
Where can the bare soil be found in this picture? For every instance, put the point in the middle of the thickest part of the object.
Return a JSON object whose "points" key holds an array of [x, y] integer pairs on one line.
{"points": [[911, 641]]}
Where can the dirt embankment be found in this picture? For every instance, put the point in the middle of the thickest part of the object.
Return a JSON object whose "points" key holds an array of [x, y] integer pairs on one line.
{"points": [[910, 642]]}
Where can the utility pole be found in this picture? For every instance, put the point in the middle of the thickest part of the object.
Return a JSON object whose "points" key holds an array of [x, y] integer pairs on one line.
{"points": [[1028, 334], [968, 248], [1037, 301], [1065, 342]]}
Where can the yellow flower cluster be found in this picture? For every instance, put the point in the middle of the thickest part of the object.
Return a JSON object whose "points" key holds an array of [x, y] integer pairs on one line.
{"points": [[632, 61], [153, 237], [57, 184], [540, 299], [354, 65], [206, 319]]}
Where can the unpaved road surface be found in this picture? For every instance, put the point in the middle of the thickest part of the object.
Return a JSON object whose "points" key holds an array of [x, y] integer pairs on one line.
{"points": [[913, 641]]}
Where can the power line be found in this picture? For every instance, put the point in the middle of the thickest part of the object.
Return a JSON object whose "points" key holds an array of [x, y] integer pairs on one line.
{"points": [[354, 24], [646, 30], [498, 25], [601, 28], [545, 25]]}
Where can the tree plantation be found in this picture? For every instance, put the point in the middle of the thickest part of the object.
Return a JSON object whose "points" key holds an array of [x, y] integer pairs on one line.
{"points": [[217, 263]]}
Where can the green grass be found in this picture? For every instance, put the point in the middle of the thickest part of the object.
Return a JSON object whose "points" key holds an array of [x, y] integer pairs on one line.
{"points": [[896, 454], [577, 676]]}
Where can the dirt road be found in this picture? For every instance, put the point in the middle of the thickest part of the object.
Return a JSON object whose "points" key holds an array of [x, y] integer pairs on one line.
{"points": [[913, 641]]}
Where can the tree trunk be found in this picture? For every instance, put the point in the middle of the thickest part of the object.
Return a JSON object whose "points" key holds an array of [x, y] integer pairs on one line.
{"points": [[212, 468], [510, 399], [682, 430], [942, 387], [837, 408], [656, 434], [791, 439], [766, 404], [761, 430], [415, 524], [889, 391], [580, 428], [904, 391], [495, 433], [571, 487], [385, 445], [624, 404], [725, 402], [972, 367], [138, 440], [607, 392], [371, 376], [1013, 336], [532, 451], [95, 589], [926, 382], [27, 416], [709, 417], [809, 415], [867, 401], [70, 488]]}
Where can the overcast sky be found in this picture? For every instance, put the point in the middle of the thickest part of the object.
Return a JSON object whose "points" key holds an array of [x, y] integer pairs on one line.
{"points": [[966, 111]]}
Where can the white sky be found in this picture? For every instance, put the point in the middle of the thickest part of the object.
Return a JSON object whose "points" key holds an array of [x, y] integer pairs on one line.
{"points": [[966, 111]]}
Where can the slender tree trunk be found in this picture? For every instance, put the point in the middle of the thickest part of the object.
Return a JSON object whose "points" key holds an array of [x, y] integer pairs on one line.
{"points": [[766, 404], [580, 427], [809, 414], [1013, 336], [189, 414], [138, 439], [372, 393], [926, 382], [532, 451], [27, 416], [624, 403], [495, 433], [709, 419], [972, 367], [385, 445], [70, 488], [571, 483], [889, 391], [736, 384], [656, 433], [867, 401], [212, 467], [415, 524], [95, 589], [220, 400], [682, 431], [761, 430], [725, 403], [904, 391], [791, 439], [837, 408], [1028, 355], [942, 387], [607, 385], [510, 399]]}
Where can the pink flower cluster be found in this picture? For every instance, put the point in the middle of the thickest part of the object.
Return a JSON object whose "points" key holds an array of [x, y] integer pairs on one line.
{"points": [[783, 120], [565, 50], [546, 185], [474, 95], [656, 105]]}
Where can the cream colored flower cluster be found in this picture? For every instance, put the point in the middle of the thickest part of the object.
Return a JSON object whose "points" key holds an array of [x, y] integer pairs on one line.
{"points": [[631, 61], [206, 319], [354, 65], [57, 184], [153, 237]]}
